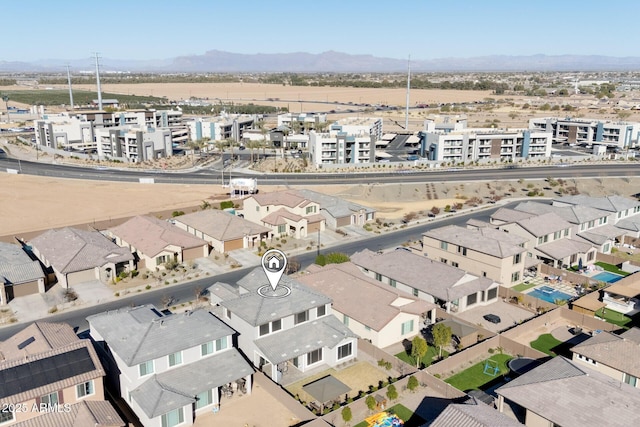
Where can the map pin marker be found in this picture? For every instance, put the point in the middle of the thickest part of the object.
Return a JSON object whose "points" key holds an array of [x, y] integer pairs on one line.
{"points": [[274, 263]]}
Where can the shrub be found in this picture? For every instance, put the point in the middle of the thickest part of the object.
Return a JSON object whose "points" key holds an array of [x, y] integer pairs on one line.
{"points": [[147, 287], [412, 384]]}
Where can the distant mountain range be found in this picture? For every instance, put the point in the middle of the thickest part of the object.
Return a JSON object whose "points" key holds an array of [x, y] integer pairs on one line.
{"points": [[216, 61]]}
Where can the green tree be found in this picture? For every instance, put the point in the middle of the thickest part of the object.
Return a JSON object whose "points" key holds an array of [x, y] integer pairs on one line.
{"points": [[441, 336], [337, 258], [412, 384], [418, 349], [392, 393], [371, 403], [346, 414]]}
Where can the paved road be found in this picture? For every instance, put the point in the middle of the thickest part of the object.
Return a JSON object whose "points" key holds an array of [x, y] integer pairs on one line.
{"points": [[210, 176], [186, 291]]}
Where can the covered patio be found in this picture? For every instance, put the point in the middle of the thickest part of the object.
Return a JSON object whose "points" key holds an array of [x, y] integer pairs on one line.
{"points": [[326, 391]]}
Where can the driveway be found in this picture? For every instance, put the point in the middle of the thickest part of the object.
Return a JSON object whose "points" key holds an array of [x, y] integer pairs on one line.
{"points": [[509, 314]]}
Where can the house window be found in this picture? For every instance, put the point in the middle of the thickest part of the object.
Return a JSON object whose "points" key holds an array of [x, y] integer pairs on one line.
{"points": [[379, 277], [221, 343], [630, 379], [462, 250], [344, 351], [367, 328], [162, 259], [146, 368], [257, 208], [206, 348], [443, 260], [590, 256], [392, 282], [203, 399], [173, 418], [566, 232], [282, 228], [175, 359], [557, 235], [321, 311], [543, 239], [50, 400], [345, 319], [311, 209], [591, 223], [264, 329], [515, 276], [472, 299], [276, 325], [444, 245], [454, 264], [6, 415], [314, 356], [415, 292], [301, 317], [227, 313], [406, 327], [517, 258], [84, 389]]}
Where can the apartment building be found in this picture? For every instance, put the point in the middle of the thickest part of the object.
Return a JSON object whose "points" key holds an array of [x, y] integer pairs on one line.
{"points": [[302, 123], [59, 131], [349, 141], [134, 143], [588, 131], [485, 252], [470, 145], [219, 128]]}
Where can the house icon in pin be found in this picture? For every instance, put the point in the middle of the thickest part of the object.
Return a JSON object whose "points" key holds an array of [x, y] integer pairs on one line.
{"points": [[273, 263]]}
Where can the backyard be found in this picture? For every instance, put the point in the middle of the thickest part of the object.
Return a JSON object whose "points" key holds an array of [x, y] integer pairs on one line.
{"points": [[404, 413], [611, 268], [427, 360], [546, 343], [481, 373], [524, 286], [614, 317]]}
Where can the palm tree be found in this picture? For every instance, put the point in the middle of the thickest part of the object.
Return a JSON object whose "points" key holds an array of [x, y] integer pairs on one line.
{"points": [[263, 132]]}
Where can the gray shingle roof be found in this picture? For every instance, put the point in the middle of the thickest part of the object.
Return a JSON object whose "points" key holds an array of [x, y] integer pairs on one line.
{"points": [[360, 297], [616, 351], [568, 395], [69, 249], [607, 203], [178, 387], [573, 214], [140, 334], [472, 414], [432, 277], [485, 240], [256, 310], [326, 332], [16, 267], [334, 206], [221, 225]]}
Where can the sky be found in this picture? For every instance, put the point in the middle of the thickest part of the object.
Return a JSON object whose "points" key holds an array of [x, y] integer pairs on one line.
{"points": [[424, 29]]}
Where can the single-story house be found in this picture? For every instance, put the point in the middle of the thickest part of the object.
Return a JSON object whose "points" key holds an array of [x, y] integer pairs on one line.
{"points": [[339, 212]]}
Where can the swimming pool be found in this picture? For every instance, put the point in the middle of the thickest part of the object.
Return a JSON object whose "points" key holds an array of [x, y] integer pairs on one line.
{"points": [[608, 277], [548, 294]]}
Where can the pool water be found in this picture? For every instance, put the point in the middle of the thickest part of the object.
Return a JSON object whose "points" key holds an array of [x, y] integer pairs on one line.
{"points": [[608, 277], [548, 294]]}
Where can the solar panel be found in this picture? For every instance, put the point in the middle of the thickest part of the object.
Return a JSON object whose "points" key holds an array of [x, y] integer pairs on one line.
{"points": [[38, 373]]}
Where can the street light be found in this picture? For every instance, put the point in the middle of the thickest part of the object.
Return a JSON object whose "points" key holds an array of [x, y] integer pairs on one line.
{"points": [[5, 98]]}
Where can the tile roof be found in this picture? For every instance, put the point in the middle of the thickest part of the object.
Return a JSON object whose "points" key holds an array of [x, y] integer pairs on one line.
{"points": [[256, 310], [562, 248], [568, 395], [37, 338], [510, 215], [70, 249], [221, 225], [616, 351], [541, 225], [440, 280], [151, 235], [94, 413], [16, 266], [573, 214], [325, 332], [179, 386], [361, 298], [485, 240], [335, 206], [139, 334], [628, 286], [45, 372], [289, 198], [473, 414], [280, 216], [607, 203], [632, 224], [602, 234]]}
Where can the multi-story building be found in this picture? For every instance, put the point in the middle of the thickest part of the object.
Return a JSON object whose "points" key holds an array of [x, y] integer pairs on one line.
{"points": [[301, 123], [588, 131], [278, 333], [134, 143], [485, 252], [169, 368], [470, 145], [219, 128], [60, 131], [349, 141]]}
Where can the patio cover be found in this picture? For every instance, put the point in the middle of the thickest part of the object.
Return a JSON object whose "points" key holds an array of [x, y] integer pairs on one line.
{"points": [[326, 389]]}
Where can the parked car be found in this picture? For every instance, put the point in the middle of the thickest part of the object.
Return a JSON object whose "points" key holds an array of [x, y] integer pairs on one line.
{"points": [[493, 318]]}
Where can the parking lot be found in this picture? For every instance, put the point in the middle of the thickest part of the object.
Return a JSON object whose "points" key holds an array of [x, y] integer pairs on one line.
{"points": [[509, 314]]}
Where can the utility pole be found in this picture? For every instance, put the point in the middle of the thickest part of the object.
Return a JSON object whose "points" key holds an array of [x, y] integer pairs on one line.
{"points": [[406, 116], [98, 82], [70, 91]]}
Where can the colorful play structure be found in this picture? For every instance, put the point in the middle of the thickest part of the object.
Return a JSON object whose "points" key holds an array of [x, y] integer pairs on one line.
{"points": [[384, 419], [491, 368]]}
